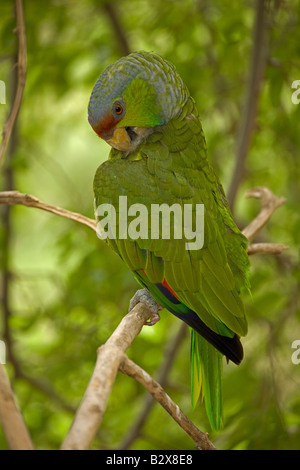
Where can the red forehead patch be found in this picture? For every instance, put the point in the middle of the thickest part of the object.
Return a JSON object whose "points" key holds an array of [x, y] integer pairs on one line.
{"points": [[105, 127]]}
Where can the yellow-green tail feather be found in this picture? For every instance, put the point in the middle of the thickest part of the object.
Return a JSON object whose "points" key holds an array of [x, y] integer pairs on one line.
{"points": [[206, 378]]}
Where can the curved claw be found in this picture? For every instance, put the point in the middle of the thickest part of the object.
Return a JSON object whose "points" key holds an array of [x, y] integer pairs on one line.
{"points": [[153, 319]]}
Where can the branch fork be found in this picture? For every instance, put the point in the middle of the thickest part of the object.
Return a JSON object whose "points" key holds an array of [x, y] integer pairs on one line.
{"points": [[269, 203]]}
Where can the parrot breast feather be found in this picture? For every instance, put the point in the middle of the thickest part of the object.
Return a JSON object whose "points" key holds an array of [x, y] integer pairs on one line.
{"points": [[202, 280]]}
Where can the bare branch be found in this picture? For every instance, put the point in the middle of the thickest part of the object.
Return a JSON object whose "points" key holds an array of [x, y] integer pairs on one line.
{"points": [[110, 359], [269, 203], [20, 30], [200, 438], [14, 197], [14, 428], [93, 405], [266, 248]]}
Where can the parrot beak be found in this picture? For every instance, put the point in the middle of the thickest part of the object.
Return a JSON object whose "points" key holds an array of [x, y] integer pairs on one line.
{"points": [[120, 140], [126, 139]]}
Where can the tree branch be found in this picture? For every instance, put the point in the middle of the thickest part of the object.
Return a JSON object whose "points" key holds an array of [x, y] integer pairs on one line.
{"points": [[20, 30], [269, 203], [200, 438], [93, 405], [266, 248], [110, 359], [162, 376], [14, 197], [14, 428]]}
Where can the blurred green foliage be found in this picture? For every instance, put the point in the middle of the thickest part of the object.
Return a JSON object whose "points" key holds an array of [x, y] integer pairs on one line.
{"points": [[68, 290]]}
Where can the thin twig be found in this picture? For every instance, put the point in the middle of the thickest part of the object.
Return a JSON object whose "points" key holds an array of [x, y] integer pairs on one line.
{"points": [[93, 405], [269, 203], [20, 30], [13, 425], [266, 248], [14, 197], [200, 438]]}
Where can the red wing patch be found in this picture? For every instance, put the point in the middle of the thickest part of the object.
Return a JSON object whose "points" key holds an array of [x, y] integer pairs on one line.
{"points": [[165, 284]]}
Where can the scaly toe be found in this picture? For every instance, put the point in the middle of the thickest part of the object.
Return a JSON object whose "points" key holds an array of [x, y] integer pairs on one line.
{"points": [[144, 296]]}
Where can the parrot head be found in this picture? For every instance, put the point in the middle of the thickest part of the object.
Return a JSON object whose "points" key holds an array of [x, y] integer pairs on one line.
{"points": [[132, 97]]}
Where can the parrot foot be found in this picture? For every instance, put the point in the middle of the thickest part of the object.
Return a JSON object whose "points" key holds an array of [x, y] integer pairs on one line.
{"points": [[144, 296]]}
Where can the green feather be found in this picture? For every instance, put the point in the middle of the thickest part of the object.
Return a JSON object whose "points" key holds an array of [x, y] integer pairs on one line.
{"points": [[206, 378]]}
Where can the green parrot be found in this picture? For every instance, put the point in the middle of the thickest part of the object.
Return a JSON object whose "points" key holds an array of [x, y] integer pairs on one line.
{"points": [[142, 108]]}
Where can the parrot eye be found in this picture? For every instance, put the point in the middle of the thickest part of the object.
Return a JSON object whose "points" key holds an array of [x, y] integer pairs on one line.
{"points": [[118, 108]]}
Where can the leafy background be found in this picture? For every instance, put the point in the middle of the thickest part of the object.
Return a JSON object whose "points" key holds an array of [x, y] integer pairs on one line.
{"points": [[63, 291]]}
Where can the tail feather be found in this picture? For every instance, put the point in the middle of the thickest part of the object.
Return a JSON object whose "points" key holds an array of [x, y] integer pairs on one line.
{"points": [[206, 378]]}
